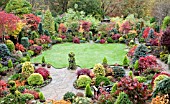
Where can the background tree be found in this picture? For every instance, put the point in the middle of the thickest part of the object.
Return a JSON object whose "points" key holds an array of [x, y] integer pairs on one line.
{"points": [[18, 7], [8, 22], [49, 22], [88, 6]]}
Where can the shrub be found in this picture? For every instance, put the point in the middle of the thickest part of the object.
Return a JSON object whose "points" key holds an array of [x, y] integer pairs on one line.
{"points": [[114, 88], [28, 57], [32, 92], [123, 99], [116, 36], [4, 51], [35, 79], [109, 40], [158, 77], [147, 62], [82, 100], [83, 80], [102, 41], [88, 91], [132, 51], [164, 99], [121, 39], [118, 72], [20, 47], [83, 72], [46, 39], [101, 79], [166, 22], [99, 70], [141, 51], [104, 61], [141, 79], [25, 42], [136, 91], [41, 96], [26, 97], [44, 72], [76, 40], [58, 40], [27, 69], [10, 45], [3, 88], [136, 65], [43, 59], [165, 38], [125, 61], [10, 64], [162, 87], [69, 96]]}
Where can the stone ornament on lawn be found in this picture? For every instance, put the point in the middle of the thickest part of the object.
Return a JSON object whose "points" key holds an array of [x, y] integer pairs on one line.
{"points": [[71, 60]]}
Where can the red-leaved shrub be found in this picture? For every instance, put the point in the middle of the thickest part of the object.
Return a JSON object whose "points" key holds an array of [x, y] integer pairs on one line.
{"points": [[83, 72], [45, 39], [146, 32], [116, 36], [63, 36], [3, 87], [102, 41], [137, 92], [44, 72], [62, 28], [31, 42], [20, 47], [76, 40], [34, 93], [132, 51]]}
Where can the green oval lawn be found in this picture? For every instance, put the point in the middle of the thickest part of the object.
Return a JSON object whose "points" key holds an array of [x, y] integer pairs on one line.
{"points": [[86, 54]]}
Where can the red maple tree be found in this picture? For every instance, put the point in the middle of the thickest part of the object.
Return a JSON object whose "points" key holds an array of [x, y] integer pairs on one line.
{"points": [[8, 22]]}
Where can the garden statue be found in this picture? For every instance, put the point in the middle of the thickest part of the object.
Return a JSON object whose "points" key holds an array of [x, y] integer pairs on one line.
{"points": [[72, 63]]}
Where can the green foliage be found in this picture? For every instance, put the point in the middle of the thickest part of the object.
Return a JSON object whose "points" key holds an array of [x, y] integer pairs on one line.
{"points": [[10, 45], [99, 70], [159, 78], [162, 87], [10, 64], [104, 60], [30, 52], [101, 79], [58, 40], [18, 7], [83, 80], [130, 74], [3, 69], [166, 22], [121, 39], [87, 6], [141, 79], [125, 61], [1, 65], [4, 51], [109, 40], [136, 65], [49, 23], [114, 88], [123, 99], [141, 51], [33, 35], [69, 96], [168, 59], [82, 100], [26, 97], [118, 72], [41, 96], [25, 42], [35, 79], [27, 69], [43, 59], [28, 57], [88, 91]]}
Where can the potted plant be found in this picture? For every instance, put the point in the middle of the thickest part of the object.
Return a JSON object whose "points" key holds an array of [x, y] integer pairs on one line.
{"points": [[48, 65], [43, 62]]}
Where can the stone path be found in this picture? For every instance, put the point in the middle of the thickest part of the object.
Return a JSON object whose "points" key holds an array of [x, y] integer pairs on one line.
{"points": [[62, 82]]}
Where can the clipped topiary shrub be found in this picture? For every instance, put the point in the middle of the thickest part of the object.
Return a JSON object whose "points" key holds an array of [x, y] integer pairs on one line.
{"points": [[99, 70], [118, 71], [141, 51], [44, 72], [125, 61], [101, 79], [114, 88], [69, 96], [123, 99], [10, 45], [10, 64], [27, 69], [41, 96], [82, 100], [83, 80], [25, 42], [35, 79], [4, 51], [88, 91]]}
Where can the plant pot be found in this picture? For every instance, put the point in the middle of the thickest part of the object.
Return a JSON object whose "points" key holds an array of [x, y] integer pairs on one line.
{"points": [[48, 66], [43, 64], [36, 64]]}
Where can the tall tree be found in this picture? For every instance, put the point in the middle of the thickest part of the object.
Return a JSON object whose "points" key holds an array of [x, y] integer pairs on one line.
{"points": [[49, 22], [18, 7], [8, 22]]}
